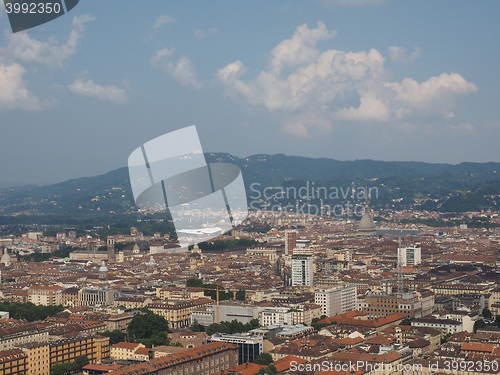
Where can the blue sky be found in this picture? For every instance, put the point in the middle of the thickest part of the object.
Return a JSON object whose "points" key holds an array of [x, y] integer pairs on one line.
{"points": [[360, 79]]}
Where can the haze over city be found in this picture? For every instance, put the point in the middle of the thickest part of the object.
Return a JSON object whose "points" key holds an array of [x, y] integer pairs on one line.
{"points": [[363, 79]]}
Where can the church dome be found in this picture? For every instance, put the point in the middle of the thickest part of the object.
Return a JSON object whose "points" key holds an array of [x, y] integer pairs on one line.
{"points": [[103, 268], [6, 258]]}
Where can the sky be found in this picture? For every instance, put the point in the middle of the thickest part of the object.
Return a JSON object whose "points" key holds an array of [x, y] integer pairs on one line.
{"points": [[343, 79]]}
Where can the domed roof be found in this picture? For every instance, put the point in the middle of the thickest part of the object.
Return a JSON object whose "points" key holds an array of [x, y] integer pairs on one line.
{"points": [[367, 222], [103, 268], [367, 225], [5, 258]]}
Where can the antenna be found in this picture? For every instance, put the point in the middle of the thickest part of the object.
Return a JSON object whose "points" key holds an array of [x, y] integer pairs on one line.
{"points": [[400, 268]]}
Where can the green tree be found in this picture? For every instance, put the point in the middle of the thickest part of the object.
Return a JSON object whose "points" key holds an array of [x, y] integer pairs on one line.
{"points": [[241, 295], [194, 283], [264, 359], [319, 326], [196, 327], [406, 322], [233, 326], [82, 361], [478, 324], [29, 311], [69, 367], [58, 369], [271, 369], [115, 336], [487, 313], [159, 338], [148, 329]]}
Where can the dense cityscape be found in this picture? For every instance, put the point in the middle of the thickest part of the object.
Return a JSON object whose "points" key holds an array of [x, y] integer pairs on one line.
{"points": [[288, 294], [249, 187]]}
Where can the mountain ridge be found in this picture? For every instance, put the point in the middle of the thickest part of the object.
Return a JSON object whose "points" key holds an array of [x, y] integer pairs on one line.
{"points": [[415, 184]]}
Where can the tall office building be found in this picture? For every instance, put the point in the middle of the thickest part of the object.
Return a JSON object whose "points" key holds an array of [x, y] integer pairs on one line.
{"points": [[249, 346], [302, 270], [409, 256], [337, 300], [111, 248], [290, 241]]}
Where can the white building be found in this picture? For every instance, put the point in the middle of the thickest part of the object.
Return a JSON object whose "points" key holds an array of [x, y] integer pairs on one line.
{"points": [[446, 326], [337, 300], [302, 270], [34, 235], [409, 256], [95, 296], [276, 315]]}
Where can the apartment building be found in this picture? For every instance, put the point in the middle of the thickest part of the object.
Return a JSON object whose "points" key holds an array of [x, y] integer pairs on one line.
{"points": [[118, 321], [460, 288], [302, 270], [207, 360], [184, 294], [306, 313], [337, 300], [38, 358], [22, 334], [249, 346], [134, 302], [124, 350], [446, 326], [178, 313], [95, 348], [276, 315], [45, 295], [383, 304], [96, 296], [13, 361]]}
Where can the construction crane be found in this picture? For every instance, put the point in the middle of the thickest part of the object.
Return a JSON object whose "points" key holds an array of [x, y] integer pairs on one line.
{"points": [[217, 298]]}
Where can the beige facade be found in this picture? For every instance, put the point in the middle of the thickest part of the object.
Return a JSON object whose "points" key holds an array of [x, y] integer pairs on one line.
{"points": [[207, 360], [95, 348], [124, 350], [178, 313], [181, 294], [13, 362], [384, 304], [133, 302], [22, 335], [38, 359], [118, 321], [45, 295]]}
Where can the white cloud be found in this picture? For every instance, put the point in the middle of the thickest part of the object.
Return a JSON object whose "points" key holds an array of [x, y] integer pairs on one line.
{"points": [[182, 69], [51, 52], [304, 125], [200, 34], [400, 54], [92, 89], [14, 94], [339, 85], [162, 20]]}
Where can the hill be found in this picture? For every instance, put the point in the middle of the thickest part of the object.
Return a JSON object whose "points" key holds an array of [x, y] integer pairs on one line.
{"points": [[93, 200]]}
